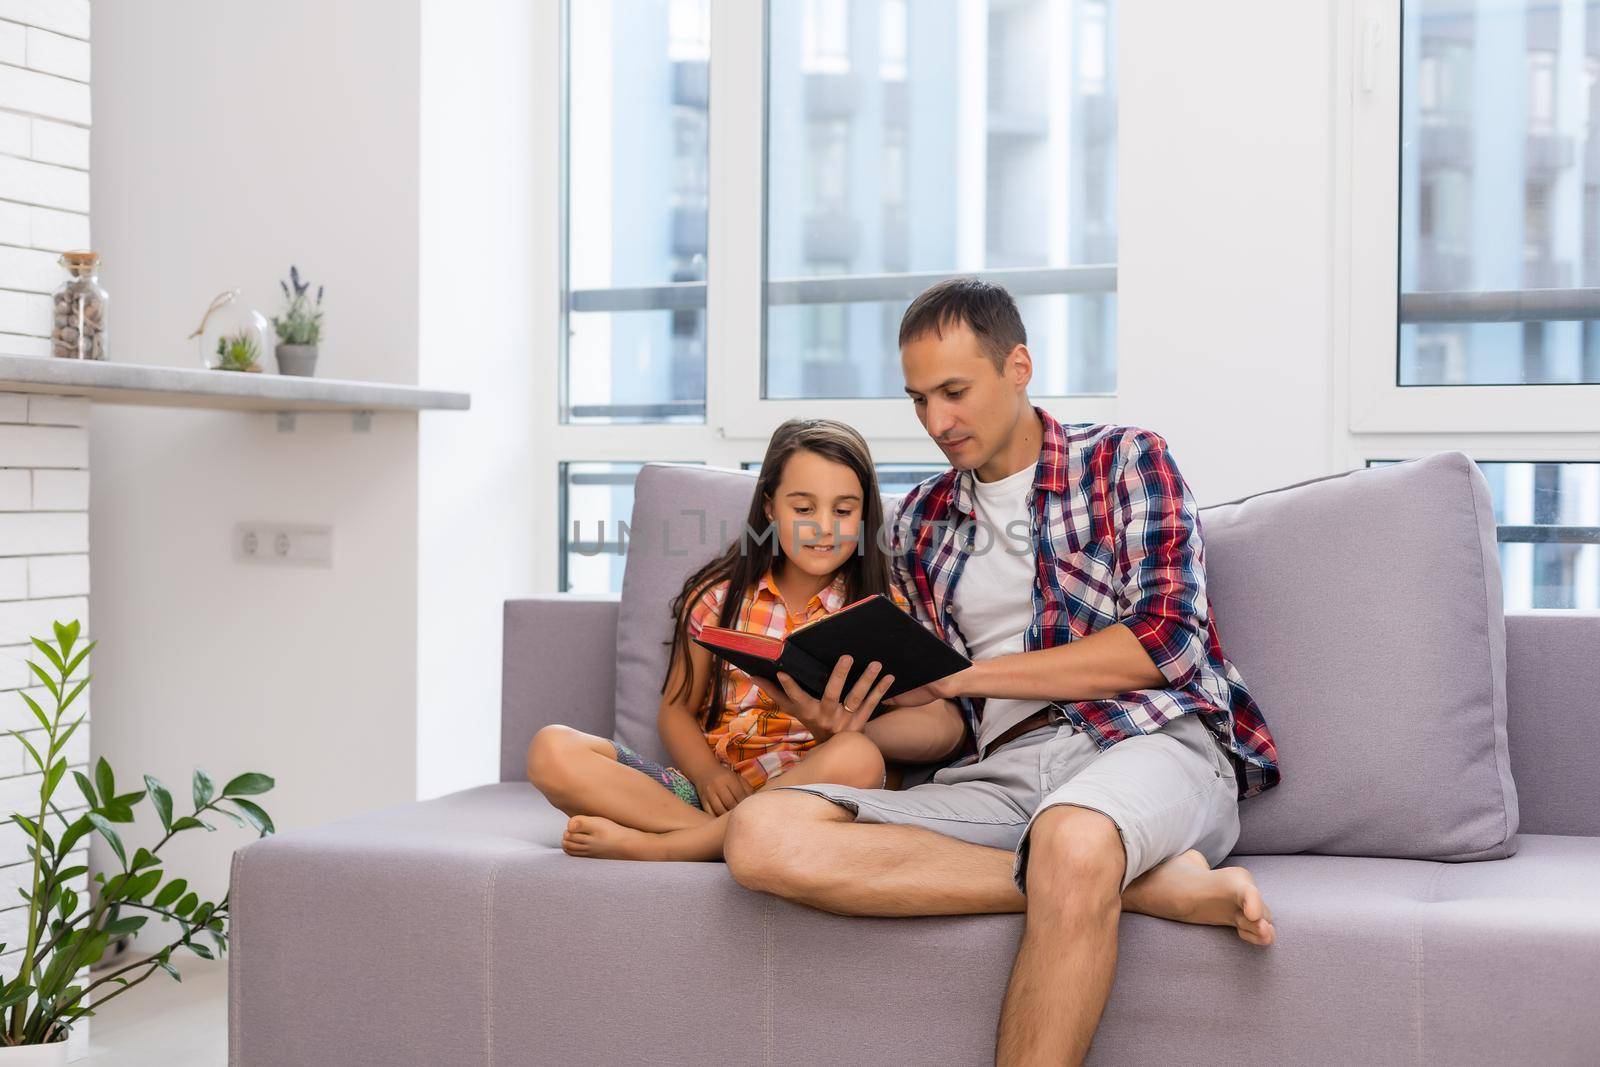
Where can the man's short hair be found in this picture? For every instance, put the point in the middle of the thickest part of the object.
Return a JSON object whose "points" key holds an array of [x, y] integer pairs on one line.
{"points": [[984, 308]]}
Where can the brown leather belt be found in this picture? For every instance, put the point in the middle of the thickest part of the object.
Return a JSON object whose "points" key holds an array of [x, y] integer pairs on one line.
{"points": [[1043, 717]]}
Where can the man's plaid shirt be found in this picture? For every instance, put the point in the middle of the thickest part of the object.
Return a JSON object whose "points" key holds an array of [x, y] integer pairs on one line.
{"points": [[1116, 538]]}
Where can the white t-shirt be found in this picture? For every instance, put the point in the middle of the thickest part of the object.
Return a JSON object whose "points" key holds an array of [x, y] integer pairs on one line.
{"points": [[993, 604]]}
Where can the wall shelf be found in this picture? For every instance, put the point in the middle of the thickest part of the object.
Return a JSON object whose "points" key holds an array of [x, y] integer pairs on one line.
{"points": [[151, 386]]}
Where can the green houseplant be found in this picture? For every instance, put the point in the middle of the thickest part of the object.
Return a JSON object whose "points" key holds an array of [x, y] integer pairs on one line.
{"points": [[238, 351], [50, 988], [299, 327]]}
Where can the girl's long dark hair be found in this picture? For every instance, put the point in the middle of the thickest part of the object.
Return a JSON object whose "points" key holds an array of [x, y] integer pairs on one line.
{"points": [[743, 563]]}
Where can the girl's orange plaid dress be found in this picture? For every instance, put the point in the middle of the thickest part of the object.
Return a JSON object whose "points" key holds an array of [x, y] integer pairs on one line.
{"points": [[751, 735]]}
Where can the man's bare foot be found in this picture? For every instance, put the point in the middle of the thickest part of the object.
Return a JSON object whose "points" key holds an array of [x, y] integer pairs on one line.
{"points": [[600, 838], [1186, 889]]}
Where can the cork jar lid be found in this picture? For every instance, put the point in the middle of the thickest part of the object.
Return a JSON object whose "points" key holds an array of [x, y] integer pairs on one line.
{"points": [[80, 262]]}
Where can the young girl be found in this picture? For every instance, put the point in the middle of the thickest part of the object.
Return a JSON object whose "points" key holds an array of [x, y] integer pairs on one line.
{"points": [[729, 735]]}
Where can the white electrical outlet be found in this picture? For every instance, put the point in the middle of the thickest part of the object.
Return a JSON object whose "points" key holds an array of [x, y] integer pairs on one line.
{"points": [[276, 542]]}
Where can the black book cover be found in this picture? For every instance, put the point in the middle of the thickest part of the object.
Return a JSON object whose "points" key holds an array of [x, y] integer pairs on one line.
{"points": [[874, 628]]}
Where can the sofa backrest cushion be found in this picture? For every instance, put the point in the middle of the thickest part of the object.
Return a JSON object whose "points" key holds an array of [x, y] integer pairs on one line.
{"points": [[682, 517], [1364, 612]]}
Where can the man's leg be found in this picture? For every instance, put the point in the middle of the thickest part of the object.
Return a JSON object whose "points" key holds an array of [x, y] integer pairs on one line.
{"points": [[1068, 956], [808, 849]]}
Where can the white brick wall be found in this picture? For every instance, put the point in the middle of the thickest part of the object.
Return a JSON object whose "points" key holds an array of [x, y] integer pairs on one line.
{"points": [[44, 166], [44, 578], [44, 440]]}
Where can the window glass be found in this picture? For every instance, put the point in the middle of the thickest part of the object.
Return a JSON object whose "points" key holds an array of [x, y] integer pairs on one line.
{"points": [[637, 158], [909, 141], [1500, 192]]}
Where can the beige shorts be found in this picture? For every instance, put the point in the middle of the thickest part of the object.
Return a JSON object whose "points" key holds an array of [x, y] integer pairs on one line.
{"points": [[1167, 792]]}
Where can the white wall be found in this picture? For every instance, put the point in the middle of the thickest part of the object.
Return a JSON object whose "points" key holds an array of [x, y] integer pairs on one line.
{"points": [[231, 140], [1225, 231], [485, 279]]}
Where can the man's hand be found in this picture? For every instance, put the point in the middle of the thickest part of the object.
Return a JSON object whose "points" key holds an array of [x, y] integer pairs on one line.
{"points": [[831, 713], [720, 789], [946, 688]]}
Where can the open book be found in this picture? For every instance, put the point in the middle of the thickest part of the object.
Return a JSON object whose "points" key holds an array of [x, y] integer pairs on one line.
{"points": [[873, 628]]}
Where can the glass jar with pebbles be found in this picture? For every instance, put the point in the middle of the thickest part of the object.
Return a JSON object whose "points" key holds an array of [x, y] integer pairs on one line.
{"points": [[78, 330]]}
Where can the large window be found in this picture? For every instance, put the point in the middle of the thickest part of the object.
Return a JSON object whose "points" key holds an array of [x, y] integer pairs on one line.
{"points": [[1500, 193], [907, 141], [755, 189]]}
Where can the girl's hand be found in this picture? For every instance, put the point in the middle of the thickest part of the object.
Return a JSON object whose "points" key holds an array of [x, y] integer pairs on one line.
{"points": [[720, 789], [832, 713]]}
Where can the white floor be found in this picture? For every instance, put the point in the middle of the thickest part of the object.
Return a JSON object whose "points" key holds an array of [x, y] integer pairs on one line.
{"points": [[164, 1023]]}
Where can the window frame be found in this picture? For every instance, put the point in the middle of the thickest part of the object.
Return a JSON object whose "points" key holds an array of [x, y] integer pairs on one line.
{"points": [[1366, 290]]}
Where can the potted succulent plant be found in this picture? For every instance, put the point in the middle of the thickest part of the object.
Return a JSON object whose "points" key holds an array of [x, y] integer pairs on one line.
{"points": [[238, 351], [299, 328], [69, 931]]}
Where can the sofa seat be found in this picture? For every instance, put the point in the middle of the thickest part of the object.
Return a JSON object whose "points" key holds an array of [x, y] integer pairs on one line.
{"points": [[550, 959]]}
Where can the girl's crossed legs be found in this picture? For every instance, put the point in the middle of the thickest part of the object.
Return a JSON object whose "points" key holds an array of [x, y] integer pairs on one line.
{"points": [[618, 813]]}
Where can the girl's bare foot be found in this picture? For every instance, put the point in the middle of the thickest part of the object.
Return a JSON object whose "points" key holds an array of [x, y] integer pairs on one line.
{"points": [[1186, 889], [600, 838]]}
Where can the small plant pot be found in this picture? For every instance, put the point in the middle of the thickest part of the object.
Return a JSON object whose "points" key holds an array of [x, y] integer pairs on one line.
{"points": [[52, 1055], [299, 360]]}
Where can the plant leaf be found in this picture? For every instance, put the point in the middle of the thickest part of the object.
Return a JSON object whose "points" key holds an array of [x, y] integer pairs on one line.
{"points": [[161, 799], [53, 779], [203, 789], [49, 653], [170, 892], [248, 784], [66, 636], [38, 760], [188, 822], [67, 703], [105, 779], [258, 818], [64, 736], [170, 969], [141, 886], [86, 787], [110, 834], [79, 827], [72, 665], [15, 996], [49, 682], [125, 926], [186, 905], [37, 710]]}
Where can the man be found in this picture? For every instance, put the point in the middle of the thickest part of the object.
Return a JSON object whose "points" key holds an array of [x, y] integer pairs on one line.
{"points": [[1108, 739]]}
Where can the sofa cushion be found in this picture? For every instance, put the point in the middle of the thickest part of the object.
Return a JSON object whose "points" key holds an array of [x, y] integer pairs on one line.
{"points": [[1364, 612], [682, 517], [454, 931]]}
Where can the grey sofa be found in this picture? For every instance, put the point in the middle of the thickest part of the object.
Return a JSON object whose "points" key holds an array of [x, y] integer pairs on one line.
{"points": [[1428, 910]]}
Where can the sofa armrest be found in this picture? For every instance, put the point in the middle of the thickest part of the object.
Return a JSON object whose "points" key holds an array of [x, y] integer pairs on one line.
{"points": [[1553, 720], [559, 665]]}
